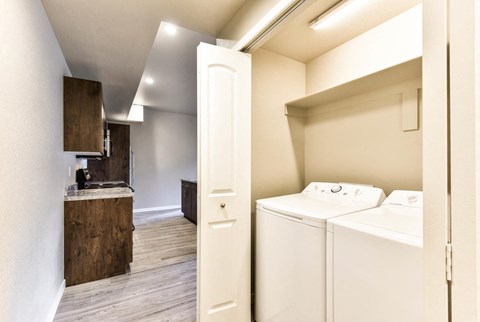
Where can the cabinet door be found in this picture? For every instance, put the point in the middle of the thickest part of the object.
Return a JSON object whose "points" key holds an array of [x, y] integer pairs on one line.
{"points": [[185, 199], [193, 207], [98, 238], [116, 167], [82, 117]]}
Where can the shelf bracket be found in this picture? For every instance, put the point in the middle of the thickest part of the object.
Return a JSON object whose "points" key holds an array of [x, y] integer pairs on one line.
{"points": [[295, 111]]}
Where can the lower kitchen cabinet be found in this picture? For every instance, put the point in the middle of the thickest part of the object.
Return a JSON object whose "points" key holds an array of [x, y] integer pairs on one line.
{"points": [[98, 238], [189, 200]]}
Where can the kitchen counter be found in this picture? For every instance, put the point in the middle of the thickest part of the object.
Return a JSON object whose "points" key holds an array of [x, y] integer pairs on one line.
{"points": [[108, 193]]}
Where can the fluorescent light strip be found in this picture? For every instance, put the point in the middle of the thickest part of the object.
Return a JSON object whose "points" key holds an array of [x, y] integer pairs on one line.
{"points": [[330, 16]]}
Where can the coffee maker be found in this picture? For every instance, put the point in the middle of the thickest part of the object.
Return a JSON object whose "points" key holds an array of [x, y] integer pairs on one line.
{"points": [[82, 176]]}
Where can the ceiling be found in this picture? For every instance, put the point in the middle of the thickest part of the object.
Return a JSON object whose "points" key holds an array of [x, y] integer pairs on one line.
{"points": [[110, 40], [172, 66], [116, 42], [297, 41]]}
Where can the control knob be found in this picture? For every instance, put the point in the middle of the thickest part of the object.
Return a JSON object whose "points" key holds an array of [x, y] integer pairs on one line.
{"points": [[336, 188]]}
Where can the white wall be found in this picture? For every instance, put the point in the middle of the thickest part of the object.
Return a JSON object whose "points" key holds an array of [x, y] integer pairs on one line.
{"points": [[165, 148], [32, 163]]}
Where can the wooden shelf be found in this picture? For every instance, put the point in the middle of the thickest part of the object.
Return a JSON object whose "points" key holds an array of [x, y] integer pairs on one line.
{"points": [[386, 77]]}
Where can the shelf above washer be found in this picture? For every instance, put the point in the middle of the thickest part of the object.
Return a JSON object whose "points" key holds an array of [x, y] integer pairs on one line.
{"points": [[389, 76]]}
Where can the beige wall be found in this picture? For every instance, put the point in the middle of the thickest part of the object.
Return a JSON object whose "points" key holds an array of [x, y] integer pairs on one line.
{"points": [[360, 139], [32, 159], [393, 42], [277, 140]]}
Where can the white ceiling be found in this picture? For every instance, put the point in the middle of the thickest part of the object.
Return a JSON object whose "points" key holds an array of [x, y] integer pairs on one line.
{"points": [[297, 41], [172, 65], [114, 42], [110, 40]]}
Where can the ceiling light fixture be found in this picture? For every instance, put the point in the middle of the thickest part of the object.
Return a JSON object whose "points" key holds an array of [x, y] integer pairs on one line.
{"points": [[136, 113], [332, 14], [170, 29], [149, 80]]}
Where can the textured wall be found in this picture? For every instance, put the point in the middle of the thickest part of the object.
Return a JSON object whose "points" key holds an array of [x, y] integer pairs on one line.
{"points": [[165, 148], [32, 159]]}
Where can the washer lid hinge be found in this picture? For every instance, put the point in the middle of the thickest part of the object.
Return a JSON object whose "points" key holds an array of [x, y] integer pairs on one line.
{"points": [[448, 261]]}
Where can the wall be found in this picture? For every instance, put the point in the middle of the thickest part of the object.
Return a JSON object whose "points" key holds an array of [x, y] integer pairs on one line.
{"points": [[360, 139], [165, 148], [277, 140], [395, 41], [278, 147], [31, 140]]}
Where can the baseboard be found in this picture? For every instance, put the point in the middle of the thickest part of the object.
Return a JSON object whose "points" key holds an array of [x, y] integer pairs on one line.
{"points": [[56, 302], [156, 209]]}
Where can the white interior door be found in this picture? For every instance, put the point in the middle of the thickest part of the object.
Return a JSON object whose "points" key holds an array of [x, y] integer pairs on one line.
{"points": [[224, 103]]}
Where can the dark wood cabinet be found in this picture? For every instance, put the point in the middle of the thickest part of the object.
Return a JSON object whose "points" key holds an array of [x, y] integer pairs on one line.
{"points": [[189, 200], [84, 118], [117, 166], [98, 238]]}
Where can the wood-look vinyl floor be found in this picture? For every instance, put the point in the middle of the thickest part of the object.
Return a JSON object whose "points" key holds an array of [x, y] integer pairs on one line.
{"points": [[161, 284]]}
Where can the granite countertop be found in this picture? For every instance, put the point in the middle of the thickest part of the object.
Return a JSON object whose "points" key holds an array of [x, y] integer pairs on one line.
{"points": [[106, 193]]}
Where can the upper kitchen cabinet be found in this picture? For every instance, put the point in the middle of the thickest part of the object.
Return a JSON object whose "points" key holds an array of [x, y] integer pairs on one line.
{"points": [[84, 117]]}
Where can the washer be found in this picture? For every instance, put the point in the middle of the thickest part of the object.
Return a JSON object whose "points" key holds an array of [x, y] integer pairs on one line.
{"points": [[374, 269], [290, 248]]}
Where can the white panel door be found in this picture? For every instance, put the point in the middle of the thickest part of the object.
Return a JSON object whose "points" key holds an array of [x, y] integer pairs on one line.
{"points": [[224, 103]]}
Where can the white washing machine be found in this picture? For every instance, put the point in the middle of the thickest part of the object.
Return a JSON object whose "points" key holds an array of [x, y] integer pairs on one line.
{"points": [[374, 262], [290, 248]]}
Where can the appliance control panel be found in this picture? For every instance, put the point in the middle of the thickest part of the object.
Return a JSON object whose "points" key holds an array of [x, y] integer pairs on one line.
{"points": [[407, 198], [345, 192]]}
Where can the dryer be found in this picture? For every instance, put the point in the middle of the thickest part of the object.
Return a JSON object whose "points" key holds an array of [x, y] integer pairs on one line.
{"points": [[290, 248], [374, 271]]}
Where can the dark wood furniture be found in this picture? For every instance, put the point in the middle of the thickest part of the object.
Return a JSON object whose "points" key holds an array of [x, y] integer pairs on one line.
{"points": [[189, 200], [116, 167], [98, 238], [84, 118]]}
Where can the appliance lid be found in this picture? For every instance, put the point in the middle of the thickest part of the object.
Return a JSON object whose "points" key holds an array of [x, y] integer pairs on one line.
{"points": [[386, 220], [407, 198], [322, 200], [305, 206]]}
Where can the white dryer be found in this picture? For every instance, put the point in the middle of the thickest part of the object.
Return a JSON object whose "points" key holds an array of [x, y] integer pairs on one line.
{"points": [[290, 248], [374, 270]]}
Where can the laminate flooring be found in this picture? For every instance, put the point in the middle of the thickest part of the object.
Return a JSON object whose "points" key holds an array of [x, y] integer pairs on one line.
{"points": [[161, 284]]}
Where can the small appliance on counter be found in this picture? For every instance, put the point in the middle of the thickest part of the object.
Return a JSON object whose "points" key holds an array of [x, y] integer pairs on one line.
{"points": [[107, 184], [82, 176]]}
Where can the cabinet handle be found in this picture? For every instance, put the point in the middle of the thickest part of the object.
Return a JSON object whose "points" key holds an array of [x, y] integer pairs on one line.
{"points": [[222, 205]]}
